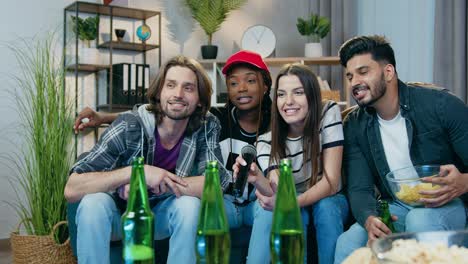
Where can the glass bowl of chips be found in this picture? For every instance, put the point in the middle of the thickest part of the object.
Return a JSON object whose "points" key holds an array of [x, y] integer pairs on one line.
{"points": [[406, 183]]}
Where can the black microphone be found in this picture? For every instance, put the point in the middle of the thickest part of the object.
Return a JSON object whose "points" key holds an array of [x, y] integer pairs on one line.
{"points": [[248, 153]]}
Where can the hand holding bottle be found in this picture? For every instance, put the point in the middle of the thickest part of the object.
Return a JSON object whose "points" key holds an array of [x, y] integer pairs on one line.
{"points": [[376, 228]]}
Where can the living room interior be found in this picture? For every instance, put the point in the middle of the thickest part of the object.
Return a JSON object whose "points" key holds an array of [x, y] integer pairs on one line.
{"points": [[430, 39]]}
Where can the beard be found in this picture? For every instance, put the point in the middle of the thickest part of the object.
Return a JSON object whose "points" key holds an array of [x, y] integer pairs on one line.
{"points": [[378, 92], [176, 115]]}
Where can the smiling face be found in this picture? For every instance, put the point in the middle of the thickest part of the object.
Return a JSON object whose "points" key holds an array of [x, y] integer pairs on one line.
{"points": [[179, 95], [366, 79], [244, 88], [292, 103]]}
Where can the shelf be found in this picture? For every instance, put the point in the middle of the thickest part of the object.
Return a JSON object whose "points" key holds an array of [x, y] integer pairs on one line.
{"points": [[120, 45], [87, 67], [116, 11], [115, 108], [332, 60]]}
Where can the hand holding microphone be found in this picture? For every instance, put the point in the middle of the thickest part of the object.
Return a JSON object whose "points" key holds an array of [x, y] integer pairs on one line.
{"points": [[248, 153]]}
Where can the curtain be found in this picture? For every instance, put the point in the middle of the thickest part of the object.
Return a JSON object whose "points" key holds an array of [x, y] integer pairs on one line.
{"points": [[450, 46], [342, 14]]}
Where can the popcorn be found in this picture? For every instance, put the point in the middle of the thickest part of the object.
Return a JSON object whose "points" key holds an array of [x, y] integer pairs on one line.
{"points": [[412, 251]]}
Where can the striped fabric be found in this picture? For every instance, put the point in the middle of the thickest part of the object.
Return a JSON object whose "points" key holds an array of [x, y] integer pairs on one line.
{"points": [[331, 135]]}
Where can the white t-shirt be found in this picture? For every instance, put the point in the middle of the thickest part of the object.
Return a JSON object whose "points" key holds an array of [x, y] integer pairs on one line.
{"points": [[395, 142], [331, 135]]}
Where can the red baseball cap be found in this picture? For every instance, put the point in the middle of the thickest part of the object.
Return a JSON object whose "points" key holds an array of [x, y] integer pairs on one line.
{"points": [[245, 56]]}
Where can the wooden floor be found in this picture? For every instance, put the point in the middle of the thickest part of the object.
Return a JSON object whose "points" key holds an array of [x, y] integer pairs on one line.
{"points": [[5, 252]]}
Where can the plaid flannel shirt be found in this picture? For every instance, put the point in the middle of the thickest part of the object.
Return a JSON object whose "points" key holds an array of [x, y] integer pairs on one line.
{"points": [[132, 134]]}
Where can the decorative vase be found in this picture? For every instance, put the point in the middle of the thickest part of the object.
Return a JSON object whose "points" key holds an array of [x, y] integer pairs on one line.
{"points": [[209, 52], [120, 33], [313, 50]]}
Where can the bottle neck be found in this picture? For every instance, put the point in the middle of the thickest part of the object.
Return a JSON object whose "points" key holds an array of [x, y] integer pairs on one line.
{"points": [[286, 186], [212, 215], [138, 197], [286, 215]]}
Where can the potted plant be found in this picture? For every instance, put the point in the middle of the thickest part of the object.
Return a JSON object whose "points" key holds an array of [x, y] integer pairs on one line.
{"points": [[315, 28], [40, 167], [86, 29], [210, 14]]}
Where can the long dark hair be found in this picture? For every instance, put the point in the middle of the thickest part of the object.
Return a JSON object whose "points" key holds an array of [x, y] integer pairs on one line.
{"points": [[203, 85], [279, 128]]}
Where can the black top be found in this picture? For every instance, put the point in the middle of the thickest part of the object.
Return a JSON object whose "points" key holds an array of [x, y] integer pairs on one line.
{"points": [[232, 138]]}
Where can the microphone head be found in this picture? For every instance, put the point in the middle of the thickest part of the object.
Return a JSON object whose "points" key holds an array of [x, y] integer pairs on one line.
{"points": [[249, 152]]}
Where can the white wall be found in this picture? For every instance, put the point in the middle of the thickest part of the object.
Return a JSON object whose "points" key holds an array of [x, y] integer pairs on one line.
{"points": [[19, 19], [409, 26]]}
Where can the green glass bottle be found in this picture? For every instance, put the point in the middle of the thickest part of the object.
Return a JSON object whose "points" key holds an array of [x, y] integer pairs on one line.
{"points": [[213, 243], [287, 233], [138, 220], [384, 214]]}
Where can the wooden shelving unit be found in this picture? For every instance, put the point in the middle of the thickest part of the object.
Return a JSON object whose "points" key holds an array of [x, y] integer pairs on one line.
{"points": [[119, 45], [89, 68], [109, 14], [214, 68], [80, 7]]}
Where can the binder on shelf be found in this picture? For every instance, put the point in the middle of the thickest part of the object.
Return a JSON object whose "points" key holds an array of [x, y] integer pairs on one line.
{"points": [[139, 81], [121, 84], [143, 81], [130, 83], [132, 98]]}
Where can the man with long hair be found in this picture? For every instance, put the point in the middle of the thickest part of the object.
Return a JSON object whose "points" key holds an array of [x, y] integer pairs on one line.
{"points": [[177, 135]]}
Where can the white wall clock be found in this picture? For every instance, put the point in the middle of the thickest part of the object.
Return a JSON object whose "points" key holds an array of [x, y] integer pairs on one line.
{"points": [[260, 39]]}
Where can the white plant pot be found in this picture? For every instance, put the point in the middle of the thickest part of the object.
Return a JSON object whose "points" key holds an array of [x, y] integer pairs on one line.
{"points": [[86, 54], [313, 49]]}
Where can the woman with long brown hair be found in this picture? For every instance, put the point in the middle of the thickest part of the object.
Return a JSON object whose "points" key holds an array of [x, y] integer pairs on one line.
{"points": [[308, 131]]}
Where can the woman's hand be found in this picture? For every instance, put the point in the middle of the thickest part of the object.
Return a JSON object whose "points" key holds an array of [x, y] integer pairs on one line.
{"points": [[267, 202]]}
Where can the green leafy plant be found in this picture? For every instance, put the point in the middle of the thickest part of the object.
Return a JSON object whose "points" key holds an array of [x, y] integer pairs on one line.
{"points": [[315, 28], [40, 167], [211, 13], [85, 28]]}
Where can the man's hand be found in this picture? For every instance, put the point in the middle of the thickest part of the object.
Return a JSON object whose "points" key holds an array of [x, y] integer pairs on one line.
{"points": [[453, 185], [159, 180], [376, 228], [124, 191], [92, 118], [267, 202]]}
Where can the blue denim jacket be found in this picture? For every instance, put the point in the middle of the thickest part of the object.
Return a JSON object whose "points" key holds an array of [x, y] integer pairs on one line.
{"points": [[437, 126]]}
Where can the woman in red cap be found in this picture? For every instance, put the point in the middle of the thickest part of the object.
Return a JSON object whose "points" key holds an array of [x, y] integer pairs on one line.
{"points": [[245, 116]]}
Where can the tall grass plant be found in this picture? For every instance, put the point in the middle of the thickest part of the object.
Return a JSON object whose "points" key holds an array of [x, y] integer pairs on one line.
{"points": [[41, 165]]}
